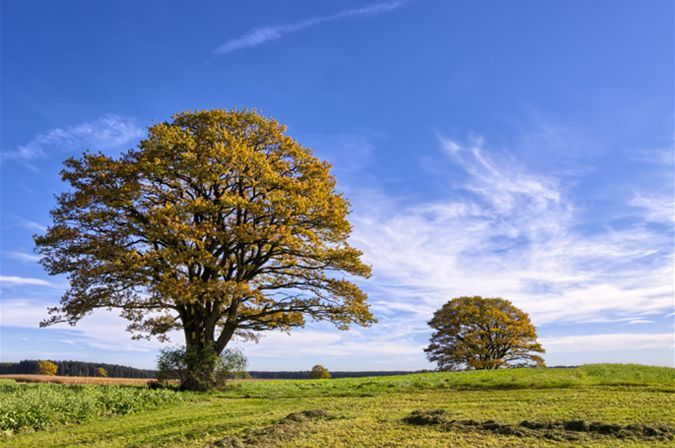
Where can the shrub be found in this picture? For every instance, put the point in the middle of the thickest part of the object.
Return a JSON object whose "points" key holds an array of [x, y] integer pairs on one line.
{"points": [[233, 365], [100, 371], [200, 369], [154, 385]]}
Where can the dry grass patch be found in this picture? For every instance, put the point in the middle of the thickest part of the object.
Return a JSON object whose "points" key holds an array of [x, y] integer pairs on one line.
{"points": [[24, 378], [283, 431]]}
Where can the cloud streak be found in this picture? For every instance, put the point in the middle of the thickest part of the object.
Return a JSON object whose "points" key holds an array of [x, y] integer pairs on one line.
{"points": [[14, 280], [608, 342], [656, 208], [260, 35], [103, 329], [107, 132], [23, 256], [514, 233]]}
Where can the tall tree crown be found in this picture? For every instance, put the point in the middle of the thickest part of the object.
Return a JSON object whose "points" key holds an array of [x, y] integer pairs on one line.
{"points": [[217, 223]]}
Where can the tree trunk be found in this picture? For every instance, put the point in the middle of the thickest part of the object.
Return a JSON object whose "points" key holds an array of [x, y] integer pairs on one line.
{"points": [[201, 353], [200, 359]]}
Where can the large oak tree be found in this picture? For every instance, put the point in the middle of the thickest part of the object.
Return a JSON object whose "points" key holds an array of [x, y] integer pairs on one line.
{"points": [[478, 333], [218, 224]]}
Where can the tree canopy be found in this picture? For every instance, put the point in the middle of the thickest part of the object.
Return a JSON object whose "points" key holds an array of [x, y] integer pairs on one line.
{"points": [[218, 224], [47, 368], [478, 333], [319, 372]]}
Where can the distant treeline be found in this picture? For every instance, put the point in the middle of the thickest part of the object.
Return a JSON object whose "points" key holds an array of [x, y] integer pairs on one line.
{"points": [[303, 375], [77, 368]]}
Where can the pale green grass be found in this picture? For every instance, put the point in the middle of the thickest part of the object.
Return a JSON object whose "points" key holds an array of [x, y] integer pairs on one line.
{"points": [[368, 412]]}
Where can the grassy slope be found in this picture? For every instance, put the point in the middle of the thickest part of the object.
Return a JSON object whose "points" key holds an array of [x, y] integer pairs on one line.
{"points": [[368, 411]]}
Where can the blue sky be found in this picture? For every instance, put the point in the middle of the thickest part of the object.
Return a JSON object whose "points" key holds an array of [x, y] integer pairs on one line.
{"points": [[521, 149]]}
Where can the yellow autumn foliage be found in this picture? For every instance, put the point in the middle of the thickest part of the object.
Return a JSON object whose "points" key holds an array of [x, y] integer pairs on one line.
{"points": [[218, 224]]}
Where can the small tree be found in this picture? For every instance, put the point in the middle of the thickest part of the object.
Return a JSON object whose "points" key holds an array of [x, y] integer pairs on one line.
{"points": [[101, 372], [319, 372], [47, 368], [478, 333]]}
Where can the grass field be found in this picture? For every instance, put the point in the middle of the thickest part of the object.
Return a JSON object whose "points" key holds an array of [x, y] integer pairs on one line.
{"points": [[594, 406]]}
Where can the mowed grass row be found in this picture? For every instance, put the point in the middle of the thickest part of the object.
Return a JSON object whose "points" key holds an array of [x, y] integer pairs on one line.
{"points": [[369, 412]]}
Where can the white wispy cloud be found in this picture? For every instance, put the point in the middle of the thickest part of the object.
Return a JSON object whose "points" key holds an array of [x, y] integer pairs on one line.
{"points": [[510, 233], [260, 35], [103, 330], [107, 132], [15, 280], [336, 344], [379, 347], [23, 256], [608, 342], [660, 155], [657, 208], [31, 225], [639, 321]]}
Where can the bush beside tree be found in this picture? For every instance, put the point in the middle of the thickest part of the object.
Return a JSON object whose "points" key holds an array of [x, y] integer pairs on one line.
{"points": [[200, 369]]}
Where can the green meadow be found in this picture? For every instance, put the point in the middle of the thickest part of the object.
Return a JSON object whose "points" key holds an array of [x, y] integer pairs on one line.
{"points": [[588, 406]]}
